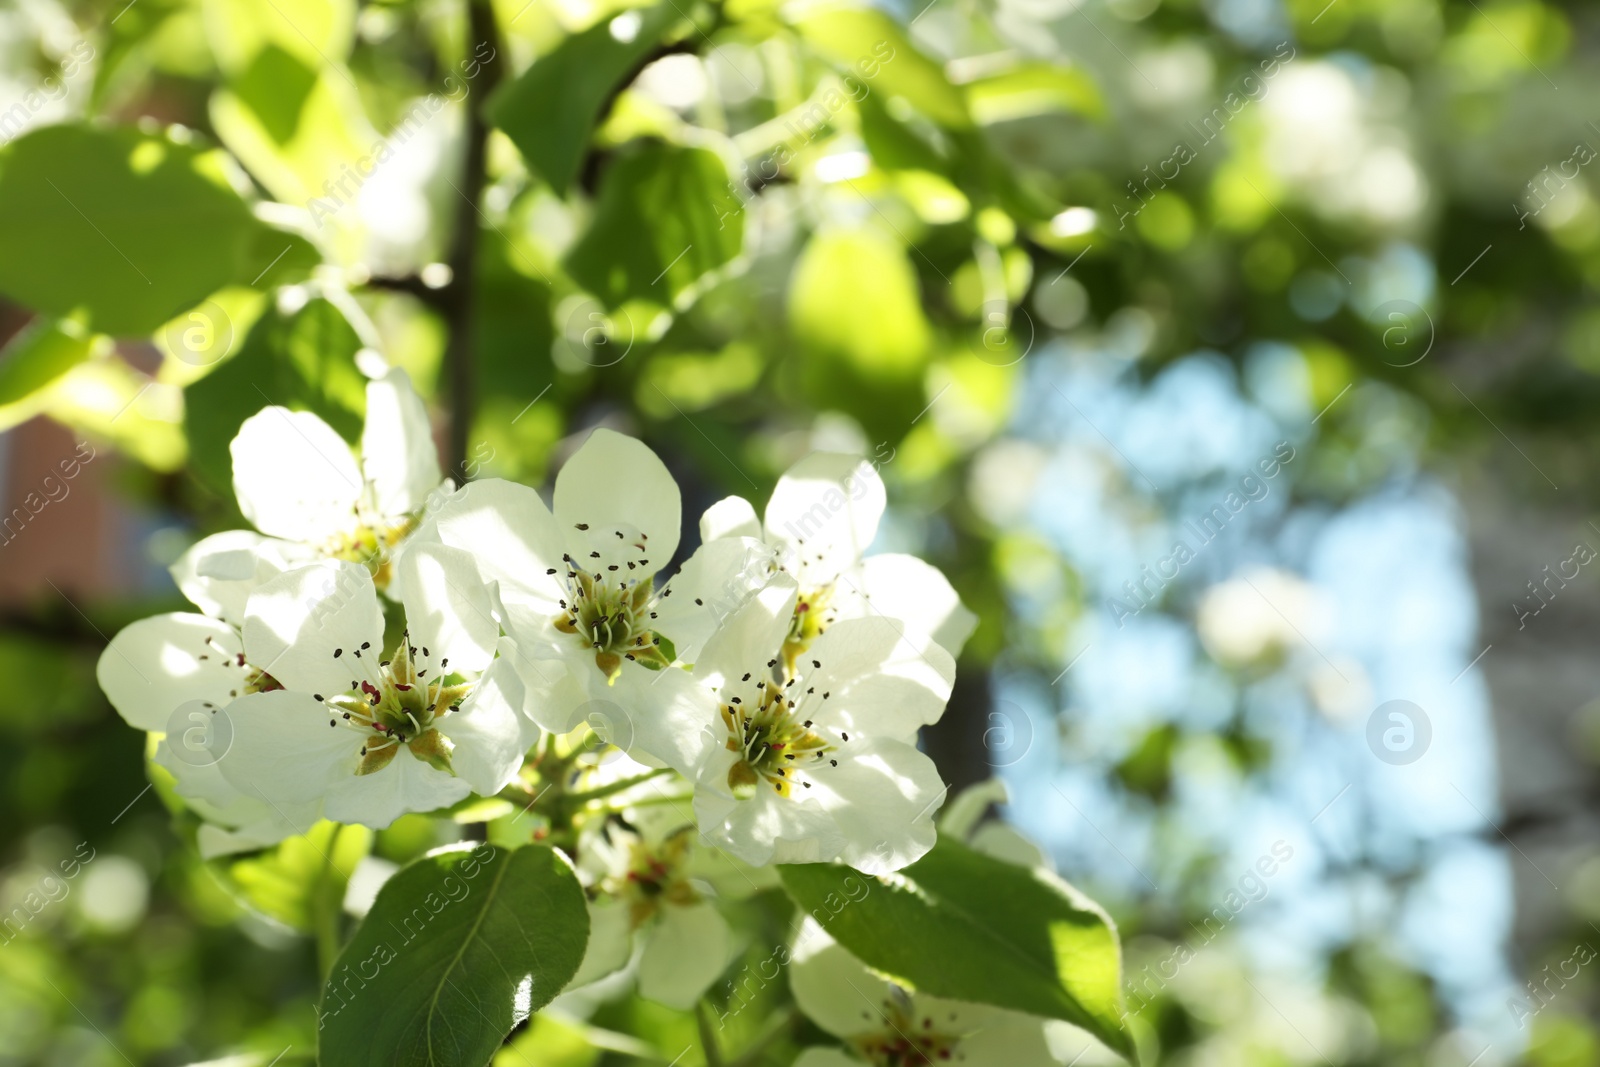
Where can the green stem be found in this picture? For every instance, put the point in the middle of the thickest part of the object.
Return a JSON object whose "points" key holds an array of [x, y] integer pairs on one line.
{"points": [[708, 1039], [618, 786]]}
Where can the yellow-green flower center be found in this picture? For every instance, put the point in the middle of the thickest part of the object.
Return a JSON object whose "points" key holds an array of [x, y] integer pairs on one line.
{"points": [[398, 704], [773, 743]]}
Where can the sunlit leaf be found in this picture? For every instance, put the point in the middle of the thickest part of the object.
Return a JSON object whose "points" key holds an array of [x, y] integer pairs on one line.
{"points": [[41, 354], [872, 50], [459, 947], [550, 111], [965, 926], [126, 227], [666, 218]]}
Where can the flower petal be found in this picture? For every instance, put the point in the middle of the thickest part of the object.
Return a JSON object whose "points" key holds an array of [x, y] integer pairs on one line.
{"points": [[287, 750], [884, 679], [764, 828], [833, 988], [711, 585], [684, 953], [731, 516], [910, 590], [448, 609], [490, 732], [406, 785], [826, 1057], [294, 477], [665, 716], [882, 799], [398, 456], [155, 665], [614, 481], [824, 512], [234, 822], [610, 942], [512, 535], [1008, 1038], [307, 627], [751, 636], [219, 572]]}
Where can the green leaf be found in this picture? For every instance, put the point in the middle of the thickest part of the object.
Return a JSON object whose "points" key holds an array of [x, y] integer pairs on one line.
{"points": [[41, 354], [550, 111], [1034, 89], [304, 360], [962, 925], [459, 947], [871, 49], [129, 227], [666, 217], [286, 882]]}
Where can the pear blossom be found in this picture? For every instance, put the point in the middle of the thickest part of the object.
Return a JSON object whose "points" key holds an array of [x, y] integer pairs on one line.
{"points": [[578, 585], [820, 520], [884, 1025], [302, 487], [652, 885], [818, 762], [355, 733], [179, 672]]}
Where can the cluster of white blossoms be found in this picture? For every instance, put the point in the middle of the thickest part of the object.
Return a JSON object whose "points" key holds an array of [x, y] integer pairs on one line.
{"points": [[385, 642]]}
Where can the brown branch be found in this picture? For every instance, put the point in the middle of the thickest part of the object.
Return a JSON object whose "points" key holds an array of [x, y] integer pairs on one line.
{"points": [[458, 299]]}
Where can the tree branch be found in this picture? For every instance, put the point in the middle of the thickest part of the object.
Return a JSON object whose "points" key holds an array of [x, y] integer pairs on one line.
{"points": [[459, 298]]}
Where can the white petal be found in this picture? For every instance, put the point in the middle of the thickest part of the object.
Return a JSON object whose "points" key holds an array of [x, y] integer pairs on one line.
{"points": [[1011, 1039], [961, 816], [615, 481], [155, 665], [287, 750], [610, 941], [882, 797], [214, 841], [730, 878], [448, 609], [832, 987], [490, 732], [306, 627], [711, 585], [666, 715], [511, 534], [911, 591], [884, 679], [1007, 843], [397, 451], [826, 1057], [219, 572], [406, 785], [556, 696], [684, 952], [235, 822], [825, 510], [294, 477], [764, 828], [751, 636], [729, 517]]}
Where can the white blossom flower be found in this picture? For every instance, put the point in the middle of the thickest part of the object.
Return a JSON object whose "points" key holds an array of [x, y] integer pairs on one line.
{"points": [[301, 486], [821, 518], [178, 672], [652, 885], [819, 762], [579, 592], [358, 735], [884, 1025]]}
